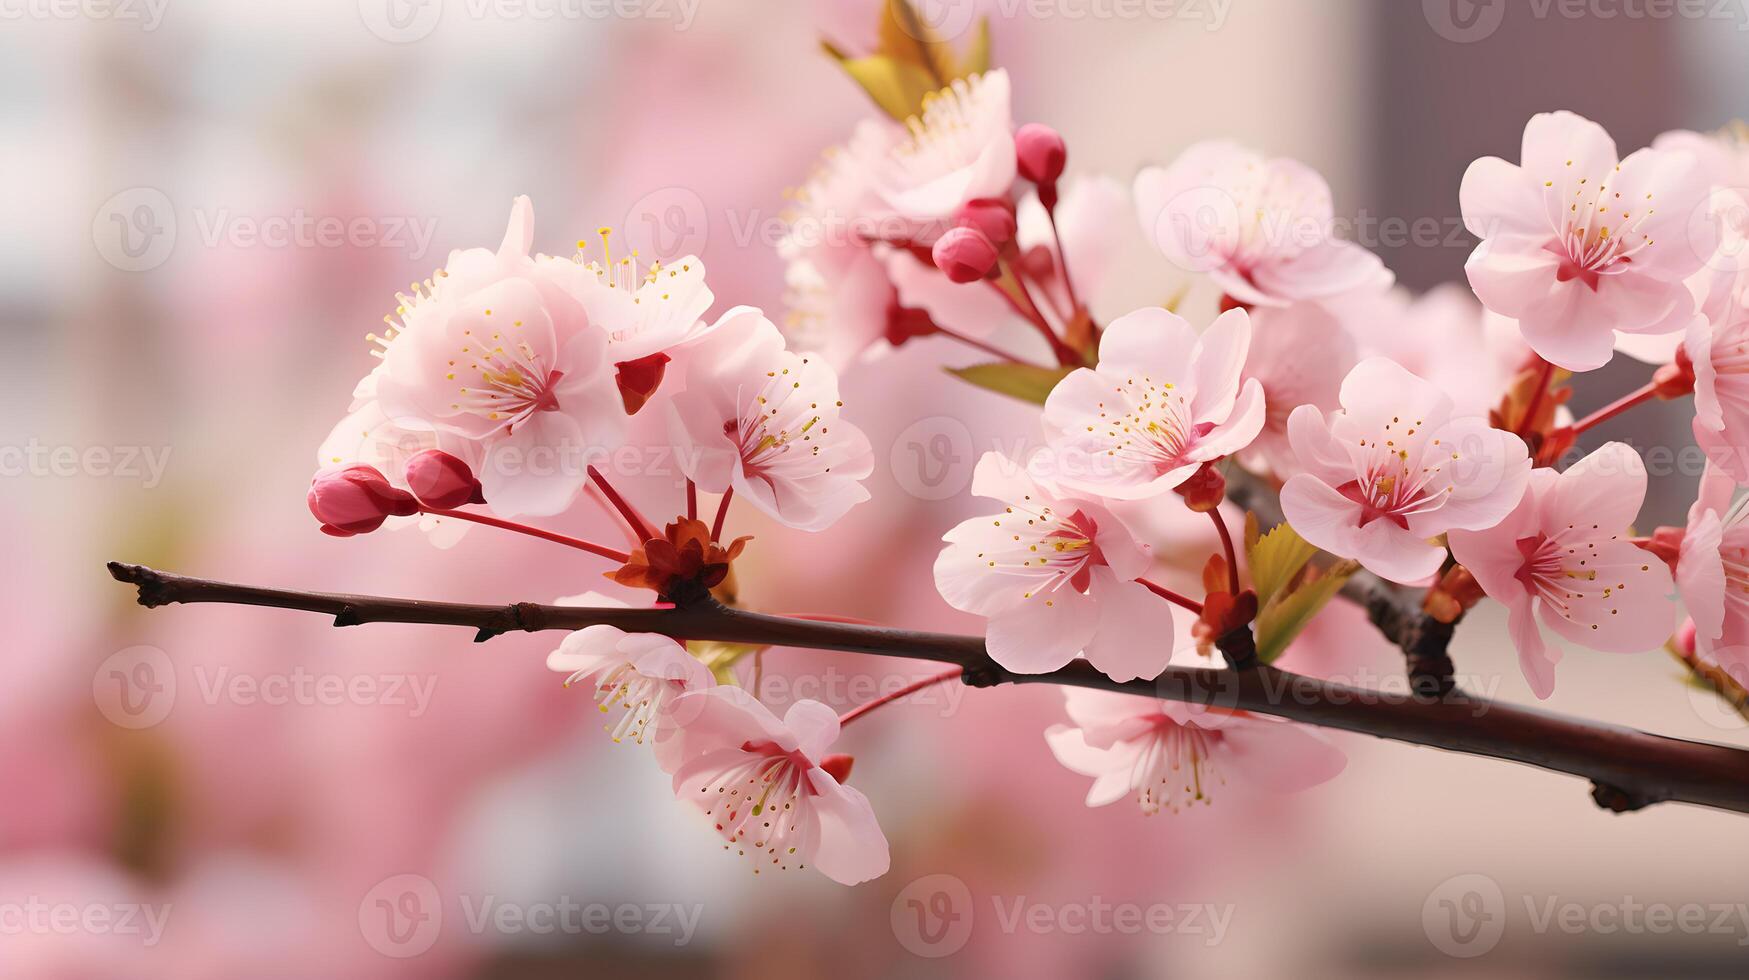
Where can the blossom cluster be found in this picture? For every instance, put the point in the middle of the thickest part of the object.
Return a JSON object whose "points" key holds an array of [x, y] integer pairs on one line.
{"points": [[1417, 439]]}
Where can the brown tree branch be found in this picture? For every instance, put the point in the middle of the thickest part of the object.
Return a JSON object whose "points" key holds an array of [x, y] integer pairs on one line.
{"points": [[1629, 769]]}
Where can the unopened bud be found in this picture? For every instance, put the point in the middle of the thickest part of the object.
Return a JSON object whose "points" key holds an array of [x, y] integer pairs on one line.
{"points": [[441, 481], [1040, 154], [964, 254], [356, 500], [992, 216], [1684, 638], [1205, 490]]}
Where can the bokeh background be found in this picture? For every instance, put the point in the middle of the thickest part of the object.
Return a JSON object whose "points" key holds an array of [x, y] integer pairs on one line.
{"points": [[169, 330]]}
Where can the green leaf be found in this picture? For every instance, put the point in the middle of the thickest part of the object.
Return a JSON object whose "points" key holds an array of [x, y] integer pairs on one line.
{"points": [[1275, 558], [1027, 382], [977, 57], [1283, 619], [898, 87]]}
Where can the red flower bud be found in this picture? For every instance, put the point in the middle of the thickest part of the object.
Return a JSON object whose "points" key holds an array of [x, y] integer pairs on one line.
{"points": [[1684, 640], [838, 766], [1205, 489], [1040, 153], [441, 481], [992, 216], [356, 500], [965, 254]]}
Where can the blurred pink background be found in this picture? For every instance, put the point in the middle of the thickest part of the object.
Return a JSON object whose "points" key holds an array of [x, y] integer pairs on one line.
{"points": [[193, 764]]}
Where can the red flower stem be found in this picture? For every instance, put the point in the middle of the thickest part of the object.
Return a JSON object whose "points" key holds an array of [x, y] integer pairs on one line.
{"points": [[1617, 407], [1171, 596], [722, 515], [1063, 261], [1030, 313], [907, 690], [980, 345], [536, 532], [691, 500], [1227, 546], [632, 519], [1544, 376]]}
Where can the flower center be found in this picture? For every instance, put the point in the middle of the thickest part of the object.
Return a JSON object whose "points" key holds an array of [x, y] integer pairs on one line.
{"points": [[1174, 769], [761, 805], [640, 695], [1044, 544], [1599, 231], [775, 422], [1155, 430], [1395, 483]]}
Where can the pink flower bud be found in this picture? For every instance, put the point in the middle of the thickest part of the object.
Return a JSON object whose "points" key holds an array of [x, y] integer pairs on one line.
{"points": [[1685, 638], [838, 766], [441, 481], [356, 499], [1040, 153], [964, 254], [992, 216]]}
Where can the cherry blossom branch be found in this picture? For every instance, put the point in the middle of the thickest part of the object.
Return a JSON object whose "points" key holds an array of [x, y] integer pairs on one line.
{"points": [[1716, 679], [1629, 769]]}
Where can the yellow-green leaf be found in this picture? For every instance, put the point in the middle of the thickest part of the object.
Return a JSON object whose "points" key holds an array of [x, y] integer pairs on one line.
{"points": [[898, 87], [1027, 382], [977, 57], [721, 656], [1275, 558], [1283, 619]]}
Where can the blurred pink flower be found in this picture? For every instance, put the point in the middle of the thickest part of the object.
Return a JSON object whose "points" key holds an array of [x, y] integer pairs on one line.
{"points": [[766, 422], [1162, 402], [1260, 228], [1563, 551], [643, 673], [1171, 754], [760, 780], [1712, 574], [1578, 243], [1056, 576], [1299, 355], [1443, 336], [959, 149], [1393, 469], [1717, 344]]}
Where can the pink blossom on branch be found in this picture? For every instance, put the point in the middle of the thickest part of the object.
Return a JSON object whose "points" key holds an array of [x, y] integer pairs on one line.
{"points": [[1172, 755], [766, 422], [1261, 228], [1563, 555], [1393, 469], [1056, 577], [761, 782], [1162, 402], [1299, 355], [1578, 243], [1717, 345], [1712, 573], [644, 674]]}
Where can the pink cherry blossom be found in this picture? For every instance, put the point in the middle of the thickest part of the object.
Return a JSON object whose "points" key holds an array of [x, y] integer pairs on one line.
{"points": [[1393, 468], [759, 779], [1578, 244], [1162, 402], [1172, 755], [1712, 573], [1055, 576], [1299, 355], [959, 149], [642, 673], [1717, 344], [1260, 228], [1563, 554], [767, 422], [493, 350], [1444, 336]]}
